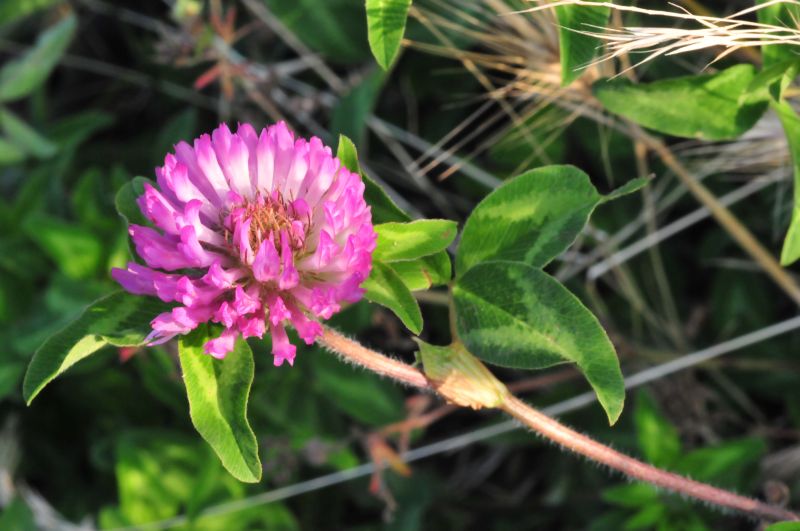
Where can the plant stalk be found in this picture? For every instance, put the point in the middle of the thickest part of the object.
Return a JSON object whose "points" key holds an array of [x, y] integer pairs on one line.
{"points": [[595, 451], [556, 432]]}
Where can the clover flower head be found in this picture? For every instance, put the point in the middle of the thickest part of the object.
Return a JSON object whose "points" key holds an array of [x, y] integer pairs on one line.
{"points": [[252, 231]]}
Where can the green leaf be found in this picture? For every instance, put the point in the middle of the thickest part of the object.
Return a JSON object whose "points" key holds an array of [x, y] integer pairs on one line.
{"points": [[386, 23], [577, 49], [351, 114], [120, 319], [415, 239], [25, 137], [769, 82], [335, 29], [10, 153], [784, 526], [17, 516], [532, 218], [383, 208], [11, 372], [729, 464], [634, 185], [709, 106], [20, 77], [125, 201], [422, 273], [791, 126], [632, 495], [657, 437], [385, 287], [76, 250], [361, 394], [416, 274], [12, 11], [785, 15], [218, 391], [514, 315]]}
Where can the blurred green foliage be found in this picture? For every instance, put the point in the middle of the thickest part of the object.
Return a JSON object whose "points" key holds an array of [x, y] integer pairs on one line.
{"points": [[112, 440]]}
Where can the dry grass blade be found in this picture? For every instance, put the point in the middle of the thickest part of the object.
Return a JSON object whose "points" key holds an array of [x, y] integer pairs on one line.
{"points": [[730, 33]]}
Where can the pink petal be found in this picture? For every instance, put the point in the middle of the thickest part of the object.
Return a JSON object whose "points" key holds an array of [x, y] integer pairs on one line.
{"points": [[267, 263], [220, 346], [289, 277], [282, 350]]}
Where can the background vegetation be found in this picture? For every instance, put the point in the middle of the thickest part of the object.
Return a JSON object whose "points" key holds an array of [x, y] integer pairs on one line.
{"points": [[93, 93]]}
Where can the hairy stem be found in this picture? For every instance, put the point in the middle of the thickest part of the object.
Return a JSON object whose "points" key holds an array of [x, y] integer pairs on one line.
{"points": [[591, 449], [354, 352], [556, 432]]}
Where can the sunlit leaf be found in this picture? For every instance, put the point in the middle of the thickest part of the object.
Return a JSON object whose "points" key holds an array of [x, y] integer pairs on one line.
{"points": [[423, 273], [703, 106], [415, 239], [386, 23], [218, 391]]}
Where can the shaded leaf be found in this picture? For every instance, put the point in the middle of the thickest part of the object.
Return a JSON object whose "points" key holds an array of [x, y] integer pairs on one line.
{"points": [[727, 464], [20, 77], [10, 153], [709, 106], [514, 315], [17, 516], [361, 394], [120, 319], [17, 9], [386, 23], [385, 287], [76, 250], [25, 137], [218, 391], [334, 28], [415, 239], [125, 201]]}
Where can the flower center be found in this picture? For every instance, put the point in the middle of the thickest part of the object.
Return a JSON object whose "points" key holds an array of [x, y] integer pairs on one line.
{"points": [[270, 215]]}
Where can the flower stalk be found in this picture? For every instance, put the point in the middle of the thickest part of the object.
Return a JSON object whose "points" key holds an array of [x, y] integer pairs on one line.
{"points": [[462, 388]]}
